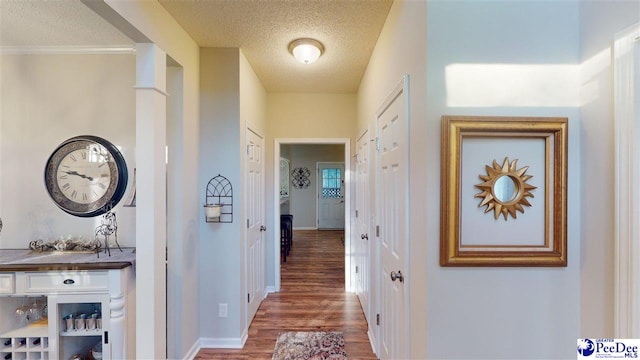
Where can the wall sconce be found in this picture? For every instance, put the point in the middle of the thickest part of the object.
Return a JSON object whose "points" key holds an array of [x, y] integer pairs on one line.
{"points": [[306, 50]]}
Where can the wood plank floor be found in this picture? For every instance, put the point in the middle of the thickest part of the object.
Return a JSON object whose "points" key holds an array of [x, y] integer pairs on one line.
{"points": [[312, 298]]}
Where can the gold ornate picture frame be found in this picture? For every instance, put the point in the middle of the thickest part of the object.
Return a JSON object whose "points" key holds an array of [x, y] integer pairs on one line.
{"points": [[503, 191]]}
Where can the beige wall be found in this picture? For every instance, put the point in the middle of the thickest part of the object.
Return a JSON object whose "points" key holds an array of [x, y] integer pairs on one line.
{"points": [[297, 115], [253, 99], [253, 115], [302, 115], [401, 49]]}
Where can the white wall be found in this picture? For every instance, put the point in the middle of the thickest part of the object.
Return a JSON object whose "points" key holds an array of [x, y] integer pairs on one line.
{"points": [[303, 201], [47, 99], [231, 97], [220, 243], [500, 313], [599, 22]]}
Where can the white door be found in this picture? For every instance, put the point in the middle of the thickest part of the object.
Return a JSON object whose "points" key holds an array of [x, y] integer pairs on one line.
{"points": [[362, 223], [330, 195], [255, 224], [393, 219]]}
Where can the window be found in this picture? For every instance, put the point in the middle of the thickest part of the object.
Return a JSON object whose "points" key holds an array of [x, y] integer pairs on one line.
{"points": [[331, 183]]}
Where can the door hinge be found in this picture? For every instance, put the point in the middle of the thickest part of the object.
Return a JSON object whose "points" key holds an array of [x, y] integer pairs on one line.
{"points": [[356, 269], [378, 143], [356, 213], [378, 230], [248, 149], [248, 297], [247, 223], [377, 319]]}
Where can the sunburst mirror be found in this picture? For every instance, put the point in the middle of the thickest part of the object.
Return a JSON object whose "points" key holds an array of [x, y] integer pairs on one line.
{"points": [[504, 189]]}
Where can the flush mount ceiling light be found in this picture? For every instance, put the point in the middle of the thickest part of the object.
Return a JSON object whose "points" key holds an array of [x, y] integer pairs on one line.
{"points": [[306, 50]]}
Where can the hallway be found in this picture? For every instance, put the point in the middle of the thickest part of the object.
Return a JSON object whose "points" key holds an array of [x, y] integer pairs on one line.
{"points": [[311, 298]]}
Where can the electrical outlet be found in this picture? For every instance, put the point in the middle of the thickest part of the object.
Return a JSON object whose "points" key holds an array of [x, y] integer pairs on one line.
{"points": [[223, 310]]}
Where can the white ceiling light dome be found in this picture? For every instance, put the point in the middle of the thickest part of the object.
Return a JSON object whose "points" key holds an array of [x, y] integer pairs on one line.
{"points": [[306, 50]]}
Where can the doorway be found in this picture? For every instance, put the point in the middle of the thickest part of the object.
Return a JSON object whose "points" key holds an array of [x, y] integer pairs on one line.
{"points": [[330, 196], [346, 142]]}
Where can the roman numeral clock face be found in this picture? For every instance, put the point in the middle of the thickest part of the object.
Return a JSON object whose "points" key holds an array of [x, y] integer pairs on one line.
{"points": [[86, 176]]}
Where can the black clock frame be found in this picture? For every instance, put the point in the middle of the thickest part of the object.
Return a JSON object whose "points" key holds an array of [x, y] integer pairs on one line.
{"points": [[115, 191]]}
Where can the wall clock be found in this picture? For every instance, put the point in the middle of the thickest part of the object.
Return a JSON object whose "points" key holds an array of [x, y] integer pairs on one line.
{"points": [[86, 176]]}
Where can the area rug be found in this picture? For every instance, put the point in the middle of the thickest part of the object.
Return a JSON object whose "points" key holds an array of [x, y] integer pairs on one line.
{"points": [[310, 345]]}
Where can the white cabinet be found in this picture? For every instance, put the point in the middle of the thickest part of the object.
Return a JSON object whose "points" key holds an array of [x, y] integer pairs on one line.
{"points": [[88, 295], [25, 343], [78, 337], [7, 283], [65, 282]]}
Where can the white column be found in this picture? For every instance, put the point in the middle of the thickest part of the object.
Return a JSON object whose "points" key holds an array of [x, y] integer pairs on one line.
{"points": [[118, 313], [151, 322]]}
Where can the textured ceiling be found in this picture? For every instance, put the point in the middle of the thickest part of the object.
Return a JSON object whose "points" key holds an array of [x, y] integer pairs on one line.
{"points": [[263, 30], [37, 23]]}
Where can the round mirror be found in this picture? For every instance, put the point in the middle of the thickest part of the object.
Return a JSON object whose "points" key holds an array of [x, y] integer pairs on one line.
{"points": [[505, 189]]}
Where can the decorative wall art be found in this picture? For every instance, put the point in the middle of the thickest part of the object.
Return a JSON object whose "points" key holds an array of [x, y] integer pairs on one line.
{"points": [[218, 204], [504, 191], [300, 178]]}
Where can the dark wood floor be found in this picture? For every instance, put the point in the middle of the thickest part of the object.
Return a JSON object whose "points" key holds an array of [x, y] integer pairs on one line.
{"points": [[312, 298]]}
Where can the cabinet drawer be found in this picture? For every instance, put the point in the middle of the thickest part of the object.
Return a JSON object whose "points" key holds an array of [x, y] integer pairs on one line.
{"points": [[7, 283], [72, 281]]}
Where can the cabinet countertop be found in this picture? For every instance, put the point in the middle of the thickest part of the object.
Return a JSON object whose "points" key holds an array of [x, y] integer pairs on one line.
{"points": [[29, 260]]}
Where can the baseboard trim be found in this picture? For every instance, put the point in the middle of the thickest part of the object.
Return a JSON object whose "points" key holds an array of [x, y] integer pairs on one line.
{"points": [[223, 343], [216, 343], [269, 290], [305, 228], [193, 351], [372, 341], [245, 336]]}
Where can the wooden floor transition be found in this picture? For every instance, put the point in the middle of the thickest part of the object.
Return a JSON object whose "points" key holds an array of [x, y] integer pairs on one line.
{"points": [[312, 298]]}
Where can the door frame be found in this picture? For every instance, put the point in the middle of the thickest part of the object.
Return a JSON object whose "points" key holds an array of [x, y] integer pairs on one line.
{"points": [[319, 186], [347, 200]]}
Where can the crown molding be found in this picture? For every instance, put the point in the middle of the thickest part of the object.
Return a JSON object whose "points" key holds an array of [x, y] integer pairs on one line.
{"points": [[68, 50]]}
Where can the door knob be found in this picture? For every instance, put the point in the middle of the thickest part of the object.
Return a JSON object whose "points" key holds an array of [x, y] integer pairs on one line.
{"points": [[263, 228], [364, 236], [397, 276]]}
